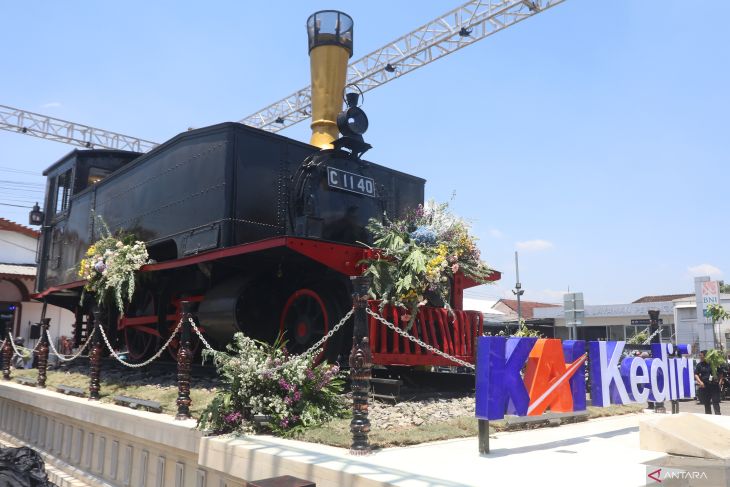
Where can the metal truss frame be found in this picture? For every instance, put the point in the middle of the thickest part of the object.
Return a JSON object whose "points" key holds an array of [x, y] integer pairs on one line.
{"points": [[29, 123], [448, 33]]}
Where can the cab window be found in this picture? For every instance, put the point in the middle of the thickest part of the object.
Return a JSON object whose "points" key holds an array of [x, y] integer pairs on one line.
{"points": [[63, 191]]}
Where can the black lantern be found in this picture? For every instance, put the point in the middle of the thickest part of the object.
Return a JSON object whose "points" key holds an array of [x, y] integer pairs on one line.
{"points": [[36, 215]]}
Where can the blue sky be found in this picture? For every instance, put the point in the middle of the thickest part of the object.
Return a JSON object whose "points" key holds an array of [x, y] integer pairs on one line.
{"points": [[593, 137]]}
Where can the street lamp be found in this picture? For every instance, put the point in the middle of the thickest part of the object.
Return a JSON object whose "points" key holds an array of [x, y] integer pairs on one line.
{"points": [[518, 291], [36, 215]]}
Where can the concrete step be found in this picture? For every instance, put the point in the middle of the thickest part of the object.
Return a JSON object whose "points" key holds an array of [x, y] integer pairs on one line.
{"points": [[689, 434]]}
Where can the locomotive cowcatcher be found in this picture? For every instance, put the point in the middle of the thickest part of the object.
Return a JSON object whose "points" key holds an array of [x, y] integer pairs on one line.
{"points": [[261, 231]]}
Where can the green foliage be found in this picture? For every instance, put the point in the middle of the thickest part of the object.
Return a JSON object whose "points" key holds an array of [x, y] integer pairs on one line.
{"points": [[717, 313], [638, 339], [261, 379], [715, 358], [418, 257], [522, 331]]}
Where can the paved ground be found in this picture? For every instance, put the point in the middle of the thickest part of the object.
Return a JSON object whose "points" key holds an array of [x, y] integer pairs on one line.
{"points": [[693, 407], [600, 452]]}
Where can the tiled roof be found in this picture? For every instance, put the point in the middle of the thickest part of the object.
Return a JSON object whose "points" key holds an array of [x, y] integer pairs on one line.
{"points": [[663, 297], [11, 226], [17, 270], [527, 307]]}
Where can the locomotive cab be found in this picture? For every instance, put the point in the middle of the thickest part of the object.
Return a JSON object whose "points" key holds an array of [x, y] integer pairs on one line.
{"points": [[68, 183]]}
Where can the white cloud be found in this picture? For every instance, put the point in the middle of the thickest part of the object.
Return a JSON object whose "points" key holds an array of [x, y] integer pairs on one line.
{"points": [[496, 233], [52, 104], [704, 270], [534, 245]]}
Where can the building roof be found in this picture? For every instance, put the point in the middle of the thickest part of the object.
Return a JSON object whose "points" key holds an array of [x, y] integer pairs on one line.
{"points": [[11, 226], [482, 305], [17, 270], [527, 307], [663, 297]]}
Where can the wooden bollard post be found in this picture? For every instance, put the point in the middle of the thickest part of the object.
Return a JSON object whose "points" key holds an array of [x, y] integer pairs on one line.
{"points": [[95, 356], [41, 353], [7, 356], [361, 366], [184, 365]]}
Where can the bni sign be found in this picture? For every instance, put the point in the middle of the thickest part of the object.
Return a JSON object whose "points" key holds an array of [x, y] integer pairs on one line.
{"points": [[710, 295]]}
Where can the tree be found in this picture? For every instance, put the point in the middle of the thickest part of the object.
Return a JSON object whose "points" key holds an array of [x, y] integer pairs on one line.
{"points": [[724, 288], [717, 314]]}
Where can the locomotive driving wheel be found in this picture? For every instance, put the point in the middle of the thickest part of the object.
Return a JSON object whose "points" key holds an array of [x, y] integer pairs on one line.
{"points": [[195, 344], [304, 320], [308, 315], [142, 341]]}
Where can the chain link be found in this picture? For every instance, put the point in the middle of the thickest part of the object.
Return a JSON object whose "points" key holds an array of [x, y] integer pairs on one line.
{"points": [[68, 358], [200, 335], [314, 347], [149, 360], [12, 342], [415, 340]]}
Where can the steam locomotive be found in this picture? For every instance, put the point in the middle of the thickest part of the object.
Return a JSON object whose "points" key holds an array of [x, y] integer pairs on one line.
{"points": [[261, 231]]}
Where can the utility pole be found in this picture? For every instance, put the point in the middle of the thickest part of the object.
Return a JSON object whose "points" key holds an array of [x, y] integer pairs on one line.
{"points": [[517, 291]]}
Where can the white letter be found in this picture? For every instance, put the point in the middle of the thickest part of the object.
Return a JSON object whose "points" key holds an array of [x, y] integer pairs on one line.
{"points": [[636, 380], [681, 366], [610, 372], [657, 364]]}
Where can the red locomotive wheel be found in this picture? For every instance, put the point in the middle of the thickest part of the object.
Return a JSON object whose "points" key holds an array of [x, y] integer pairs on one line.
{"points": [[304, 320], [140, 344]]}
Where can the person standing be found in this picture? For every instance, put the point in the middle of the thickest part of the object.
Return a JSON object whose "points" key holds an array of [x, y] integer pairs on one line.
{"points": [[708, 386]]}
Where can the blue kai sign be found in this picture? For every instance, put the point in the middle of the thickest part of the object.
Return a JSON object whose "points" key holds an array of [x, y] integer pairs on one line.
{"points": [[527, 376]]}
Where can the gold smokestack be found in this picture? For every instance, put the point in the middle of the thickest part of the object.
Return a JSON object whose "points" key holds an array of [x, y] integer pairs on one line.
{"points": [[330, 46]]}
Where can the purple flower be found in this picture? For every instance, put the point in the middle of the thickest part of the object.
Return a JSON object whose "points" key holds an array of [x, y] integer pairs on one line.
{"points": [[297, 396], [233, 418], [288, 401], [284, 423], [310, 374], [284, 384], [100, 266]]}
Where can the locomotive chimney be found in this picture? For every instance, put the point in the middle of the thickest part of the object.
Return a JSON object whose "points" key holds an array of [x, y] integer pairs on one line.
{"points": [[330, 46]]}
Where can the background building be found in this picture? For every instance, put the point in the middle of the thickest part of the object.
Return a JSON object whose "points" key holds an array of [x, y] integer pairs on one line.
{"points": [[615, 321], [17, 282]]}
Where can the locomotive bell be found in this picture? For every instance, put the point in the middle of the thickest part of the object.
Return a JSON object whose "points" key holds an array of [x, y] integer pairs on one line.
{"points": [[330, 46]]}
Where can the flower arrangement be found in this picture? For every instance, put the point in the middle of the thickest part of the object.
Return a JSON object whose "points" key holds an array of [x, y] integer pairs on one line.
{"points": [[419, 256], [262, 379], [110, 266]]}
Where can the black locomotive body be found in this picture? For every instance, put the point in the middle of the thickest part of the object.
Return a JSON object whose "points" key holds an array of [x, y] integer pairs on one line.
{"points": [[261, 230]]}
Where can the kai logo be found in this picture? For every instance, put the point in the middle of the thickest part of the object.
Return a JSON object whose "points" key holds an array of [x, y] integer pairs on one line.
{"points": [[554, 376]]}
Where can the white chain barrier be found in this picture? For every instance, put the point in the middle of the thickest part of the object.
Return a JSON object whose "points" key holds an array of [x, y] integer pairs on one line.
{"points": [[648, 340], [311, 349], [15, 349], [149, 360], [69, 358], [415, 340]]}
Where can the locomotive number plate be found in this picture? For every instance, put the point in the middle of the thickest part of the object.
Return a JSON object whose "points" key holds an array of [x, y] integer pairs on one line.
{"points": [[348, 181]]}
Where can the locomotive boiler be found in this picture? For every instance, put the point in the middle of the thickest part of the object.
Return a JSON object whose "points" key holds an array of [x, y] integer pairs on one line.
{"points": [[261, 231]]}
